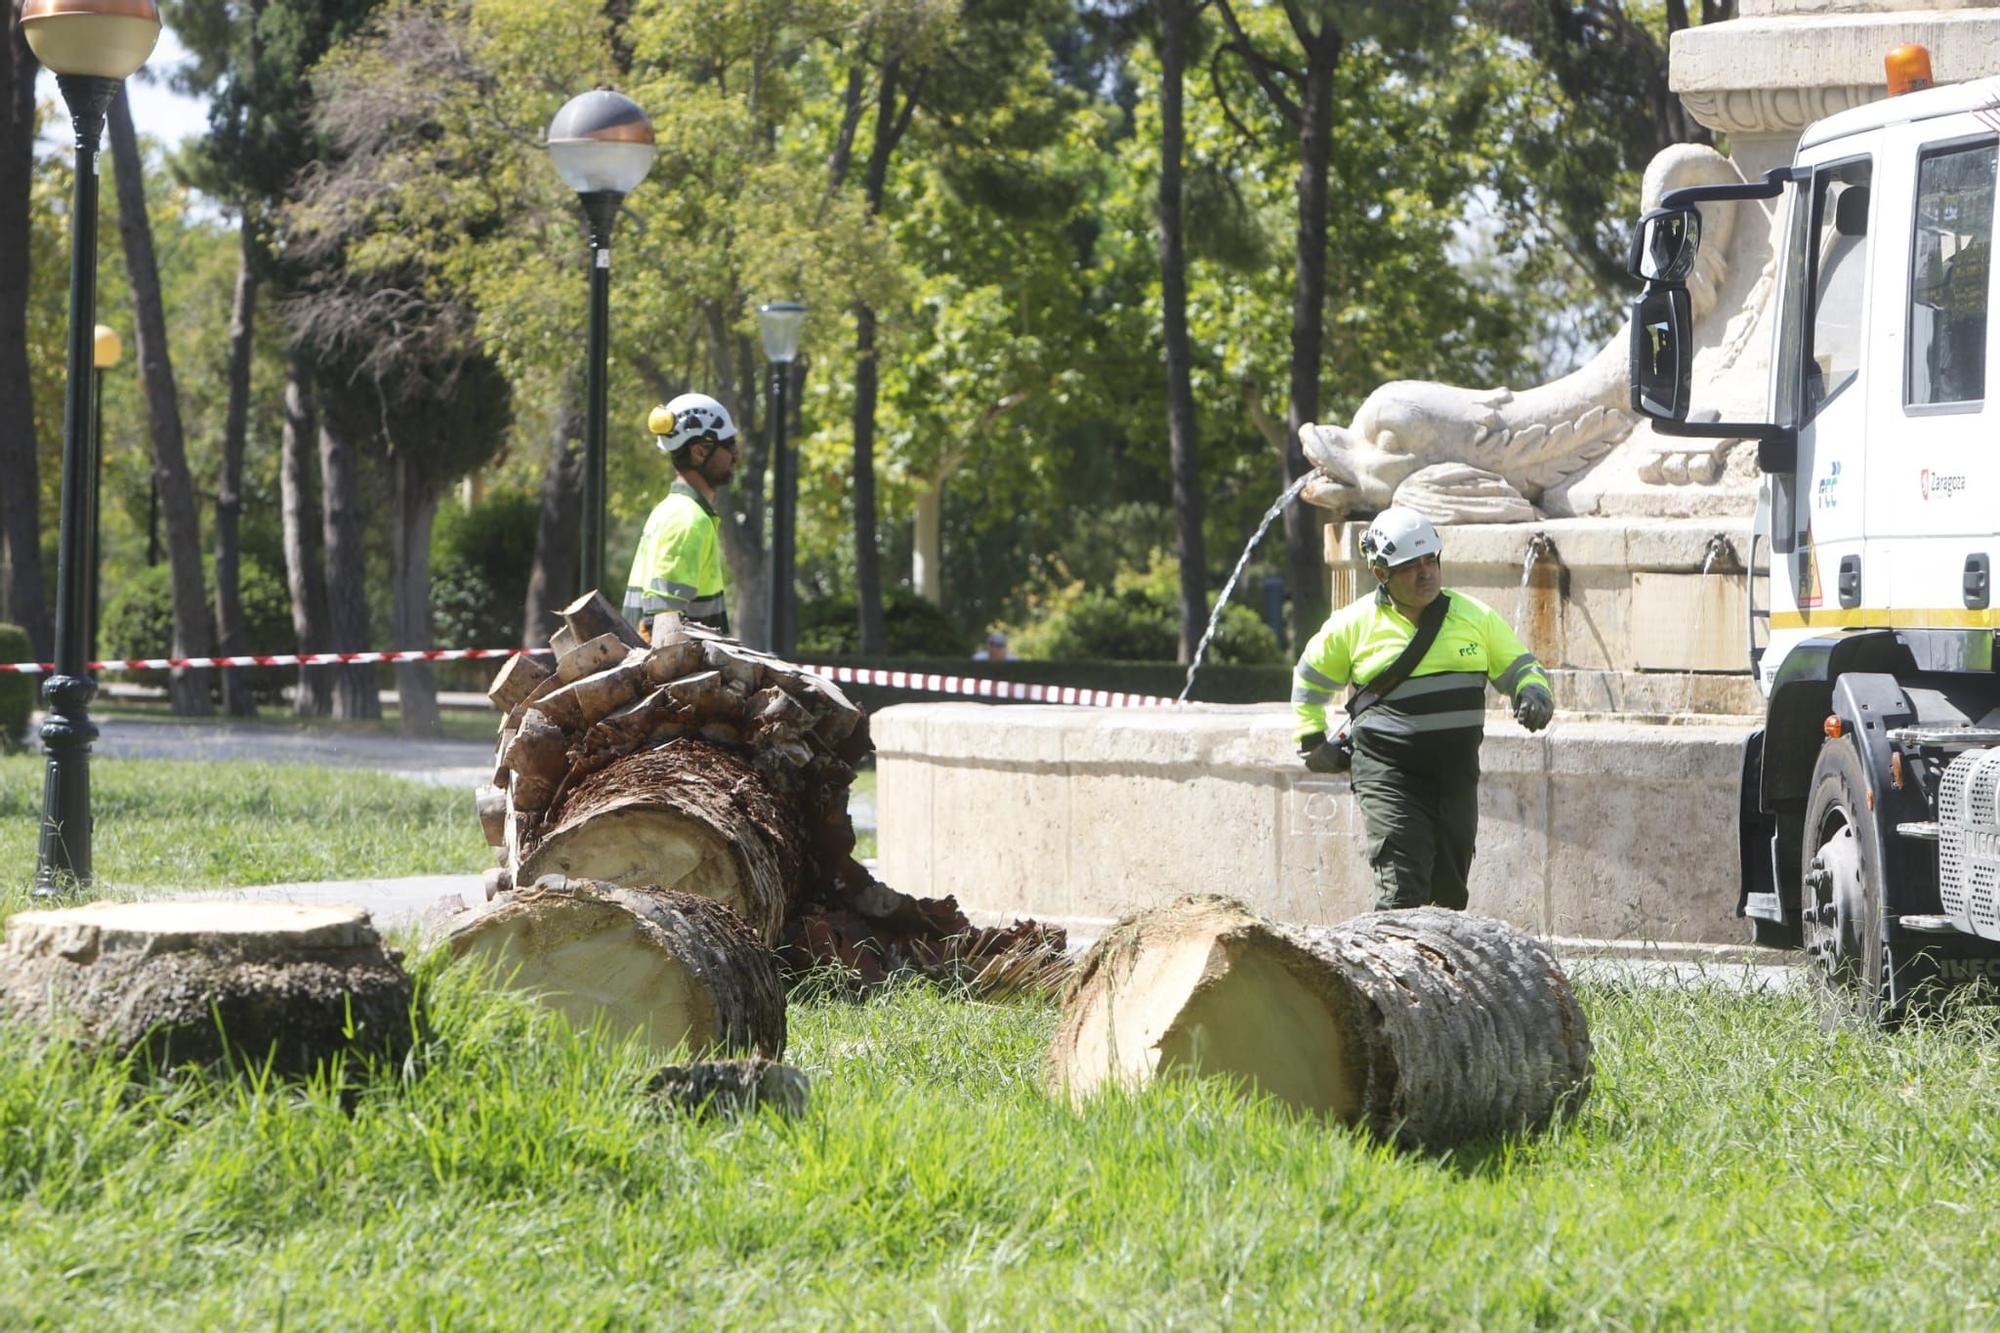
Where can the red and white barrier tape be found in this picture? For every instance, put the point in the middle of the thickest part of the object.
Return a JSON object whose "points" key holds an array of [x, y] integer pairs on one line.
{"points": [[982, 687], [278, 659], [978, 687]]}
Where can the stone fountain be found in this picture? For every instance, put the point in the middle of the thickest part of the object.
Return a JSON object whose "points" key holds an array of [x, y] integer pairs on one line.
{"points": [[1625, 558]]}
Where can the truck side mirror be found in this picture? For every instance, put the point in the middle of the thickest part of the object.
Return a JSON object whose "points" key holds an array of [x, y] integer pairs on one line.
{"points": [[1665, 245], [1662, 359]]}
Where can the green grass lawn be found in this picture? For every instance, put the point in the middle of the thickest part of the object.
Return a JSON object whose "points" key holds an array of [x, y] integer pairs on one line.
{"points": [[161, 824], [1735, 1167]]}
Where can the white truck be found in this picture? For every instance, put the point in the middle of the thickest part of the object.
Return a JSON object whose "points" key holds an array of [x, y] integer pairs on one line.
{"points": [[1869, 810]]}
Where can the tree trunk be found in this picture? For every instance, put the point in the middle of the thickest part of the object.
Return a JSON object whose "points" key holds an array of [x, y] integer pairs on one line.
{"points": [[672, 968], [1305, 557], [189, 689], [891, 120], [354, 693], [229, 637], [25, 600], [1176, 17], [416, 510], [1428, 1027], [304, 575], [251, 982], [554, 571], [927, 555], [867, 551], [712, 769], [740, 505]]}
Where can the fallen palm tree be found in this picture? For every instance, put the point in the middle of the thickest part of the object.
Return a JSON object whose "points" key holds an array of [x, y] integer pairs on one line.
{"points": [[676, 970], [695, 764], [1427, 1027]]}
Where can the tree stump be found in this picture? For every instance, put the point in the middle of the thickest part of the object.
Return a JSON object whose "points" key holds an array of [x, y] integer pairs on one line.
{"points": [[676, 969], [201, 981], [1428, 1027], [699, 765]]}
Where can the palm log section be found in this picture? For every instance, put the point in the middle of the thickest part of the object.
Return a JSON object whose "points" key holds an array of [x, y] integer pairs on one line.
{"points": [[1426, 1027], [698, 765]]}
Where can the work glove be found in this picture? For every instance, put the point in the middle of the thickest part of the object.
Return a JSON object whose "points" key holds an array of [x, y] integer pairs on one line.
{"points": [[1533, 707], [1323, 756]]}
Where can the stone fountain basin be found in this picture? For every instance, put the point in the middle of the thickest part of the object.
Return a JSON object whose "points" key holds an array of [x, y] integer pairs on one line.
{"points": [[1608, 829]]}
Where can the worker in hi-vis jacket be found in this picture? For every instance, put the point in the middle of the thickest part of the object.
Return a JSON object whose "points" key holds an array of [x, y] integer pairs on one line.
{"points": [[1414, 750], [678, 566]]}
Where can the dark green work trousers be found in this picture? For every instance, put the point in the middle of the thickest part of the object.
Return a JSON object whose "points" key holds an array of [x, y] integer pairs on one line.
{"points": [[1421, 811]]}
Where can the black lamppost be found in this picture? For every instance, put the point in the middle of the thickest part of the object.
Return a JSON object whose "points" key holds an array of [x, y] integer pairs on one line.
{"points": [[781, 322], [602, 147], [106, 350], [92, 45]]}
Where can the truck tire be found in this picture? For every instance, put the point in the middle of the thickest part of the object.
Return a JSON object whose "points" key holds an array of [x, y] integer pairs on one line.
{"points": [[1840, 900]]}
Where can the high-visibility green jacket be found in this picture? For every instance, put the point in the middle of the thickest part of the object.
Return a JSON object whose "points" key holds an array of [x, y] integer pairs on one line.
{"points": [[678, 566], [1443, 699]]}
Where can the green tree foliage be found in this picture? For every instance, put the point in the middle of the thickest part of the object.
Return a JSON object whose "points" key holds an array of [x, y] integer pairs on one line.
{"points": [[1137, 619], [478, 579], [139, 622]]}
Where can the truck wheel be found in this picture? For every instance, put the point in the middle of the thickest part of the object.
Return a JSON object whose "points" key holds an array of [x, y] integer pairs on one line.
{"points": [[1840, 900]]}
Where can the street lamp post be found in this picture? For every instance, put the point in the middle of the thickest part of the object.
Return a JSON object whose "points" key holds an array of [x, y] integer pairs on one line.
{"points": [[92, 46], [781, 322], [106, 350], [602, 147]]}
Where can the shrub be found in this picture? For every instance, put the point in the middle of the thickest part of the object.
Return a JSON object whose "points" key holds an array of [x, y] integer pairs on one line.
{"points": [[17, 692], [480, 563], [139, 622], [1137, 620], [831, 627]]}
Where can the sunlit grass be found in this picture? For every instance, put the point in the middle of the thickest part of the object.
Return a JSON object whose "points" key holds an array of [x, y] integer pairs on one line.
{"points": [[1737, 1166], [162, 824]]}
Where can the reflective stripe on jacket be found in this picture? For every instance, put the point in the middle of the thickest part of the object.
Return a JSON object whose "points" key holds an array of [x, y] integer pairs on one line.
{"points": [[678, 566], [1446, 692]]}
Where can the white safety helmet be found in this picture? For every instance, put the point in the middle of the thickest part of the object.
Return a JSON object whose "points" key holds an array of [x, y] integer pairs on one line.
{"points": [[692, 418], [1398, 536]]}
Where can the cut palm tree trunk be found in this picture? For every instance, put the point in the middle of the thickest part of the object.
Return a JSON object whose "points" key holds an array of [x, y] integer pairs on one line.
{"points": [[696, 764], [202, 981], [676, 970], [1426, 1027]]}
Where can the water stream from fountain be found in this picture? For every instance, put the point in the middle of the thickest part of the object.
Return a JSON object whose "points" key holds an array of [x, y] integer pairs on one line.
{"points": [[1290, 493]]}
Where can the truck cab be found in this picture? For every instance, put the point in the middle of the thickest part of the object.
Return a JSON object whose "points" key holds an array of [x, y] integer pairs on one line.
{"points": [[1869, 812]]}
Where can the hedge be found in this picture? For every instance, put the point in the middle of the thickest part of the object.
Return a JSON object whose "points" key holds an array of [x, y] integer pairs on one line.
{"points": [[17, 692]]}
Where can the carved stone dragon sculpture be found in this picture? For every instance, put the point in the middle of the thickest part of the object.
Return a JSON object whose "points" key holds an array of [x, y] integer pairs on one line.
{"points": [[1484, 455]]}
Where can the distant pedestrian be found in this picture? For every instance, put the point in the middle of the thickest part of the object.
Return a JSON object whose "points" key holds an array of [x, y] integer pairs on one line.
{"points": [[678, 566], [994, 649]]}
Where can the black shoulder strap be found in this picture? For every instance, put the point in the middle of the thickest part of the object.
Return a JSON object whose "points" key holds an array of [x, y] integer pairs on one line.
{"points": [[1398, 671]]}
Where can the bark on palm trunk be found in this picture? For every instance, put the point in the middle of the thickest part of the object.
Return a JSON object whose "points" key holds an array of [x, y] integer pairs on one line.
{"points": [[189, 689], [236, 696], [1304, 557], [1176, 16], [554, 572], [20, 499], [354, 694], [416, 682], [304, 577]]}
